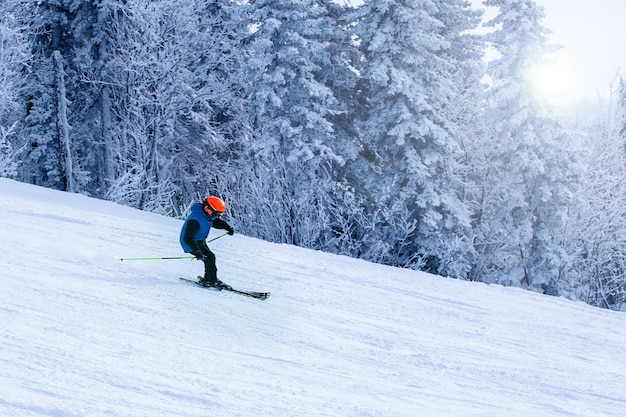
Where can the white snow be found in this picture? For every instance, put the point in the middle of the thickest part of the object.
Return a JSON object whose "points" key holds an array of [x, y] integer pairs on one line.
{"points": [[85, 334]]}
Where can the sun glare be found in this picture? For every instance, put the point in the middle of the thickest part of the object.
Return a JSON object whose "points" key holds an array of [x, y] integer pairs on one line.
{"points": [[553, 81]]}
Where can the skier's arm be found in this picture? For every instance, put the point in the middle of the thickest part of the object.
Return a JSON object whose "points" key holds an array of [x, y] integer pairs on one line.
{"points": [[221, 224], [190, 231]]}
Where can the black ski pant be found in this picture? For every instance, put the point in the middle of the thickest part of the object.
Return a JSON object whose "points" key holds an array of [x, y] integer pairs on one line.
{"points": [[210, 269]]}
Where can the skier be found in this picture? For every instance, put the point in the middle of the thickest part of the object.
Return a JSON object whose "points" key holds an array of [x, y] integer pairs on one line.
{"points": [[195, 231]]}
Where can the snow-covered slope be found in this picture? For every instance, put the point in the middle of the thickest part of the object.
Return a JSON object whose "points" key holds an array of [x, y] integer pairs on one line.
{"points": [[84, 334]]}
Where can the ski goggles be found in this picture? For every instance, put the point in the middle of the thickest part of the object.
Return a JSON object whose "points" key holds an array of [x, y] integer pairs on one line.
{"points": [[208, 210]]}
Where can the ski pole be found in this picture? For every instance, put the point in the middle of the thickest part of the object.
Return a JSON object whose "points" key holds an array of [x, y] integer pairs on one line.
{"points": [[157, 259], [215, 238], [169, 257]]}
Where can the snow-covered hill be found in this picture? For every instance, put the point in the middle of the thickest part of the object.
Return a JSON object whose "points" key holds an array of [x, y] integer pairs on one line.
{"points": [[84, 334]]}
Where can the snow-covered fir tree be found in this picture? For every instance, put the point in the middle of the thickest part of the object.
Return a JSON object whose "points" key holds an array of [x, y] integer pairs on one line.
{"points": [[156, 100], [293, 106], [42, 162], [528, 178], [211, 152], [596, 228], [411, 162], [98, 91], [14, 59]]}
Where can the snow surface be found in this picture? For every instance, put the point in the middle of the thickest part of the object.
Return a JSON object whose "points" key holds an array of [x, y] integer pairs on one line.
{"points": [[85, 334]]}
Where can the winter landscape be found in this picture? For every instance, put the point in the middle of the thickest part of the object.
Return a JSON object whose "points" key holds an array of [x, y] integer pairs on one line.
{"points": [[410, 134], [355, 147], [85, 334]]}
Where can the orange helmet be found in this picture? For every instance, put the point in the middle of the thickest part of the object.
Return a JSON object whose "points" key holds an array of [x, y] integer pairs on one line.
{"points": [[214, 206]]}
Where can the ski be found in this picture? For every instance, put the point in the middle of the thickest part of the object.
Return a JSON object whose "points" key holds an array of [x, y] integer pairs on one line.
{"points": [[252, 294]]}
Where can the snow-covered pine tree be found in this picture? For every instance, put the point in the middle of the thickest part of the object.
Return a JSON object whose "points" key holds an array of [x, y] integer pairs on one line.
{"points": [[150, 50], [97, 25], [211, 153], [340, 234], [43, 159], [14, 58], [293, 108], [528, 183], [596, 227], [410, 170], [460, 110], [79, 31]]}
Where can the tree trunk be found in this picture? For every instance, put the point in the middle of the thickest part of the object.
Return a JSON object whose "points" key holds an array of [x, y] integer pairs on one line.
{"points": [[62, 125], [107, 138]]}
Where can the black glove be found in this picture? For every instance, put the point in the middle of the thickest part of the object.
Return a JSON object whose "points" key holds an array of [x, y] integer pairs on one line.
{"points": [[230, 230], [199, 255]]}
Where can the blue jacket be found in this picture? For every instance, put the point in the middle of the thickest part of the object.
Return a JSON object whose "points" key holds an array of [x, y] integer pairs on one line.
{"points": [[204, 222], [197, 227]]}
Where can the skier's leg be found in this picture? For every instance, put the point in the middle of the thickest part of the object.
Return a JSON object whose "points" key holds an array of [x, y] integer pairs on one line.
{"points": [[210, 269]]}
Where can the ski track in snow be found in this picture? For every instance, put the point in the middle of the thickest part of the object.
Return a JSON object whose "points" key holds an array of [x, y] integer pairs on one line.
{"points": [[85, 334]]}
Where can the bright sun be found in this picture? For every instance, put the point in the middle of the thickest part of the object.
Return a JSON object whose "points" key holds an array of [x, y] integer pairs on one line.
{"points": [[553, 81]]}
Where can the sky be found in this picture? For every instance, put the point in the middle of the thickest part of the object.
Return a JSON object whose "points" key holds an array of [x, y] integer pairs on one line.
{"points": [[593, 39], [593, 36], [85, 334]]}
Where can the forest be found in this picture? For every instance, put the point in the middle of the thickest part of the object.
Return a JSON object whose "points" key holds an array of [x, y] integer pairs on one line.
{"points": [[379, 131]]}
